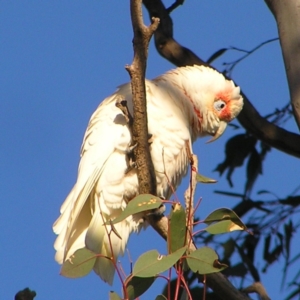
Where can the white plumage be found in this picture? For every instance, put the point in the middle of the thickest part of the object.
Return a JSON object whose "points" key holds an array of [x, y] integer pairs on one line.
{"points": [[182, 104]]}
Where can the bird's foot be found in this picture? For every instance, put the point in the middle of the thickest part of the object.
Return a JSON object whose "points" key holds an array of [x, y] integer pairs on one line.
{"points": [[121, 103], [150, 138], [130, 149], [131, 165]]}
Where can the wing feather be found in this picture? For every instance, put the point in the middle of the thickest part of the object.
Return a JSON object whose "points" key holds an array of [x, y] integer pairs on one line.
{"points": [[171, 130], [106, 132], [102, 185]]}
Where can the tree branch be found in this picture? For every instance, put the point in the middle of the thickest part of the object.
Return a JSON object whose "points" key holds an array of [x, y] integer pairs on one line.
{"points": [[180, 56], [137, 70], [249, 117], [190, 193], [258, 288], [25, 294], [287, 15]]}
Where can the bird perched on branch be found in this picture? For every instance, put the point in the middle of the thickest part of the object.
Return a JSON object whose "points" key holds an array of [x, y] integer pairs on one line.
{"points": [[182, 105]]}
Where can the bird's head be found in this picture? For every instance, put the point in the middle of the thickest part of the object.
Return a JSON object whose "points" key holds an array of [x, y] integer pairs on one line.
{"points": [[215, 100], [223, 105]]}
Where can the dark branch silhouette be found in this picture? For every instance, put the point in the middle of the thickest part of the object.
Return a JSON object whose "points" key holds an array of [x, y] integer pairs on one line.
{"points": [[231, 65], [25, 294], [287, 16], [250, 118]]}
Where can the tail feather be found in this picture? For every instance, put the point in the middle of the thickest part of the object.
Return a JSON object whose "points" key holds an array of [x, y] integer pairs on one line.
{"points": [[112, 245]]}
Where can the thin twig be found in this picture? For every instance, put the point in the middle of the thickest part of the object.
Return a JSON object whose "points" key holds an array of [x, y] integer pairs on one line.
{"points": [[189, 195], [249, 117], [233, 64], [174, 5], [258, 288]]}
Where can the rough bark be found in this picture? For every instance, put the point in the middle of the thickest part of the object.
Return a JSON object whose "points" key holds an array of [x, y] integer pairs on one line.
{"points": [[249, 118], [287, 15], [137, 70]]}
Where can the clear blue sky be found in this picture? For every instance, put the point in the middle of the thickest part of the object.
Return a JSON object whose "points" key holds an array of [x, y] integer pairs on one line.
{"points": [[58, 60]]}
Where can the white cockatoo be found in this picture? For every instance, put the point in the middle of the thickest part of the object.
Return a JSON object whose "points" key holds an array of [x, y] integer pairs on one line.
{"points": [[183, 104]]}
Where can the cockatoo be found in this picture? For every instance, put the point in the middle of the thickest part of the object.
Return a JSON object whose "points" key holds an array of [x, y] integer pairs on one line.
{"points": [[182, 105]]}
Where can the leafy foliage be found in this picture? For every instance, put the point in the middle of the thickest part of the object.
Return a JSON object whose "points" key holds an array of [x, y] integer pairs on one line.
{"points": [[204, 179], [177, 228], [79, 264], [136, 286], [152, 263], [223, 220], [271, 221], [204, 261], [114, 296], [145, 202]]}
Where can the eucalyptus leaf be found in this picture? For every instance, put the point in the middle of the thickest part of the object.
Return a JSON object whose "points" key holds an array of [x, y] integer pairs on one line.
{"points": [[216, 55], [223, 227], [204, 179], [161, 297], [204, 261], [152, 263], [222, 215], [136, 286], [79, 264], [138, 204], [114, 296], [177, 228]]}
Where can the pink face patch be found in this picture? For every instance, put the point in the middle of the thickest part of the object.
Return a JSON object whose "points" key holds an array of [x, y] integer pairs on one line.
{"points": [[225, 114], [225, 95]]}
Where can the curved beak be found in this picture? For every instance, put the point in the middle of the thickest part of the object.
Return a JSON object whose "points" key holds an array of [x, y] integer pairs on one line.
{"points": [[219, 132]]}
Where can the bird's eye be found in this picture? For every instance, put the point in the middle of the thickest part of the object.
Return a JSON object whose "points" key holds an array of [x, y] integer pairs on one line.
{"points": [[219, 105]]}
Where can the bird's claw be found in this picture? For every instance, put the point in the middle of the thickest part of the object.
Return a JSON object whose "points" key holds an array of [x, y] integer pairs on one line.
{"points": [[150, 138], [131, 165], [130, 149], [121, 103]]}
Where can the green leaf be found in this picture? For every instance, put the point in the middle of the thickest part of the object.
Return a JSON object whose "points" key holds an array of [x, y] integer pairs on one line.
{"points": [[216, 55], [225, 220], [114, 296], [79, 264], [204, 179], [161, 297], [138, 204], [204, 261], [152, 263], [136, 286], [222, 227], [177, 228]]}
